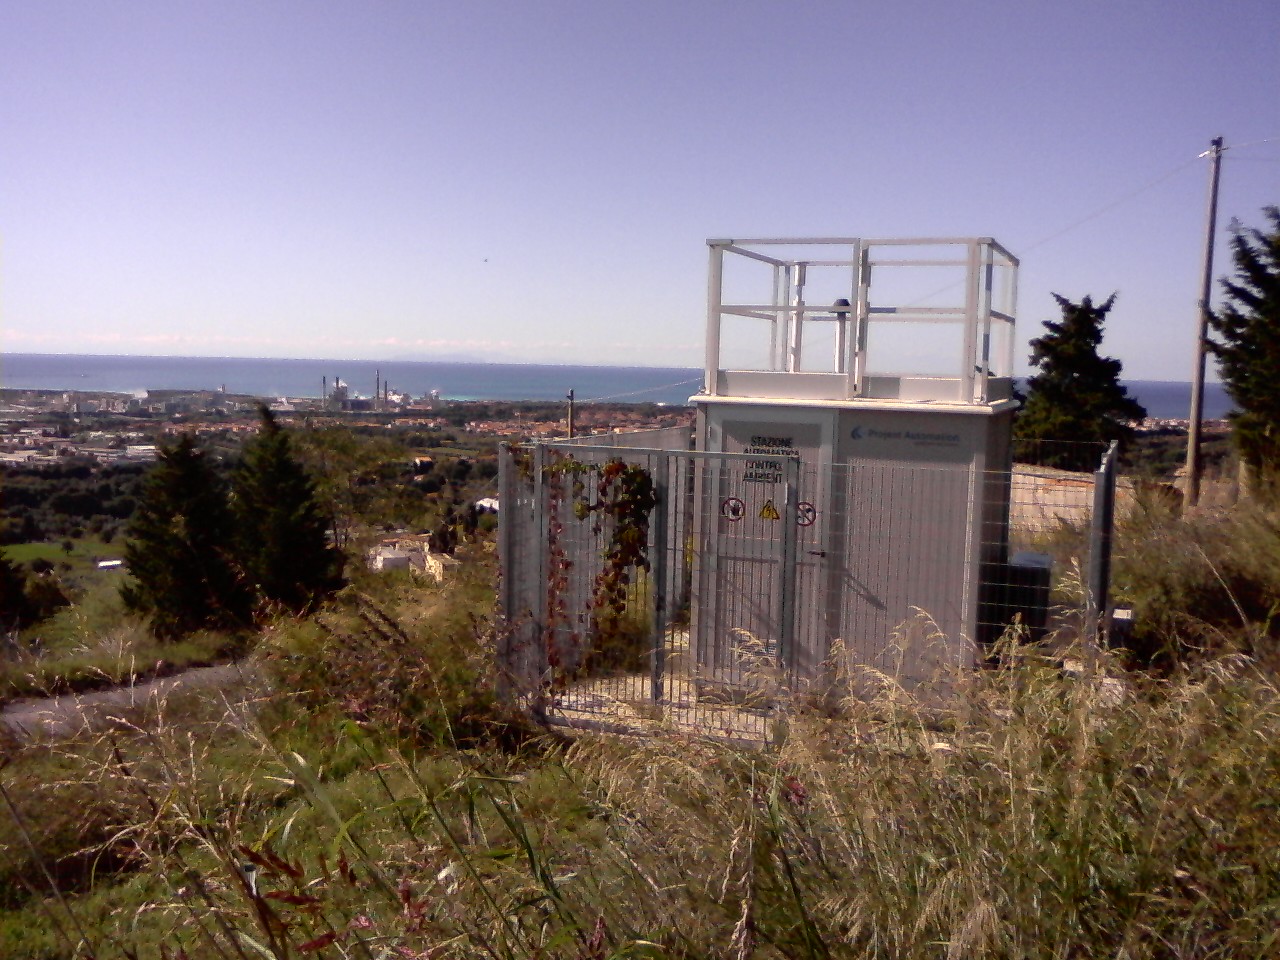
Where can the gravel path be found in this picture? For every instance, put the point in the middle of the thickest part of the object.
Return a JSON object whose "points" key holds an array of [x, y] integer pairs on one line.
{"points": [[38, 717]]}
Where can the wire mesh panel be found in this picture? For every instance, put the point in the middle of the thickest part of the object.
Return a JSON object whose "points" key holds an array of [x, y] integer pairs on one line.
{"points": [[1034, 581], [744, 573], [637, 588], [519, 538], [702, 591], [605, 583]]}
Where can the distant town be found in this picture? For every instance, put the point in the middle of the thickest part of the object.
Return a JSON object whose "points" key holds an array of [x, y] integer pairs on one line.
{"points": [[47, 426]]}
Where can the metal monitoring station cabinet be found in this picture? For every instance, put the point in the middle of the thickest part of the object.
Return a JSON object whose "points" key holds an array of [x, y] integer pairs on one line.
{"points": [[859, 395], [843, 521]]}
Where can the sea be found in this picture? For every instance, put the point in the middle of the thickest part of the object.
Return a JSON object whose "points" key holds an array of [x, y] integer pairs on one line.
{"points": [[1164, 399]]}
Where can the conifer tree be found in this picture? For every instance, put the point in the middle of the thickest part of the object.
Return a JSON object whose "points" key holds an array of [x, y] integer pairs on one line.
{"points": [[282, 535], [1077, 394], [179, 553], [1247, 345], [15, 609]]}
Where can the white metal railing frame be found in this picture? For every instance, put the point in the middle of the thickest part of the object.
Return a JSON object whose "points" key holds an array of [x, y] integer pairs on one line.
{"points": [[990, 297]]}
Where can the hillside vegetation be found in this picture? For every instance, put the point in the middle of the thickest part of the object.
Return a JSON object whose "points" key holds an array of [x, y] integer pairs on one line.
{"points": [[374, 799]]}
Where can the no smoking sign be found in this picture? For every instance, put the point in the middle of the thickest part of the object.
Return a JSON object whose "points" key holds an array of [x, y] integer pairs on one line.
{"points": [[731, 508]]}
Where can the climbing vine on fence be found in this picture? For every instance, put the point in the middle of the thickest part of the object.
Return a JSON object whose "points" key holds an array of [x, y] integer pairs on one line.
{"points": [[625, 494], [621, 501]]}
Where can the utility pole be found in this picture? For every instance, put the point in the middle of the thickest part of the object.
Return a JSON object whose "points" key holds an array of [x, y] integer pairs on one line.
{"points": [[571, 414], [1202, 328]]}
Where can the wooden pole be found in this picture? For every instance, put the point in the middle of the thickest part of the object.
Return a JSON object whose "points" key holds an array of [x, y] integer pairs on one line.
{"points": [[1202, 330]]}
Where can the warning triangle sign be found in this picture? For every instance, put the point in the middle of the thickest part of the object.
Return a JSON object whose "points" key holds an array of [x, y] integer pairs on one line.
{"points": [[769, 511]]}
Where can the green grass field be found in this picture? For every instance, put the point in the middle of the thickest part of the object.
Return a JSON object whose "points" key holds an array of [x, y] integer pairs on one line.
{"points": [[83, 556], [94, 642]]}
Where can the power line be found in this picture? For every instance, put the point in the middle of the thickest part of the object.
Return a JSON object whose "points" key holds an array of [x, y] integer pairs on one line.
{"points": [[1112, 205], [636, 393], [1252, 143], [1072, 226]]}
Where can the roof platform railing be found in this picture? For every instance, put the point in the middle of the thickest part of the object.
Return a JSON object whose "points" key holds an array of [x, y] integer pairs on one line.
{"points": [[848, 318]]}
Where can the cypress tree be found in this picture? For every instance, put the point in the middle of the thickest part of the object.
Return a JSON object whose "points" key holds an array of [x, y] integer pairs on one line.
{"points": [[1247, 345], [179, 552], [15, 609], [282, 535], [1076, 395]]}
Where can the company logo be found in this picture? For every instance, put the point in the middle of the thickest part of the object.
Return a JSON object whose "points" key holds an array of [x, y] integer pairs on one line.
{"points": [[915, 437]]}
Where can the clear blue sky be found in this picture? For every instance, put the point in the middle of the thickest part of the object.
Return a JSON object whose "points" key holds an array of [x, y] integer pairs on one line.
{"points": [[536, 181]]}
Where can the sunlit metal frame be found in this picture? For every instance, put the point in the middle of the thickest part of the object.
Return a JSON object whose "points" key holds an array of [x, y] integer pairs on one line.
{"points": [[990, 297]]}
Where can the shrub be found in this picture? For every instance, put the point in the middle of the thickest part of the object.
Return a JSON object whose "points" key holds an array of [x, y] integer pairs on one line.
{"points": [[1200, 585], [414, 660]]}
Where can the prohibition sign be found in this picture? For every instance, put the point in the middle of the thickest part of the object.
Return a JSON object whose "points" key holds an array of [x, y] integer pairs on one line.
{"points": [[731, 508], [806, 513]]}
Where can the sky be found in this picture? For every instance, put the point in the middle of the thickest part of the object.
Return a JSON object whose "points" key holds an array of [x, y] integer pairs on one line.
{"points": [[536, 181]]}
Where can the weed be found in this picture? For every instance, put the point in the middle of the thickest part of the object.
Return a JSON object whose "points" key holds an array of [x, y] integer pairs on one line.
{"points": [[1200, 585]]}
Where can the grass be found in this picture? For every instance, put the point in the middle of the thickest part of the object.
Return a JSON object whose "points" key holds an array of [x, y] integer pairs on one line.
{"points": [[84, 555], [380, 804], [126, 655], [1040, 817], [1205, 584], [77, 571], [94, 643]]}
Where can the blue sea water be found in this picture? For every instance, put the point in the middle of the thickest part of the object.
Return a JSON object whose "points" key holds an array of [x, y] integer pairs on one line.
{"points": [[305, 378], [456, 381]]}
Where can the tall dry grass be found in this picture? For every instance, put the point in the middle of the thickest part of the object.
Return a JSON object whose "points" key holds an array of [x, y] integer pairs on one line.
{"points": [[1042, 814], [379, 805], [1202, 584]]}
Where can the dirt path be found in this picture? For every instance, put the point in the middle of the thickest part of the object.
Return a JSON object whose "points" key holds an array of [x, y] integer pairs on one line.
{"points": [[38, 717]]}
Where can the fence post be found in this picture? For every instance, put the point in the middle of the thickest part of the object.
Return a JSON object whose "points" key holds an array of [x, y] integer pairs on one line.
{"points": [[506, 570], [787, 570], [1099, 579], [541, 618], [658, 563]]}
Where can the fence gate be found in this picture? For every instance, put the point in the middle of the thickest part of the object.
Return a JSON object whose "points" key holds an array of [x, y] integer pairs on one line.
{"points": [[644, 585]]}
